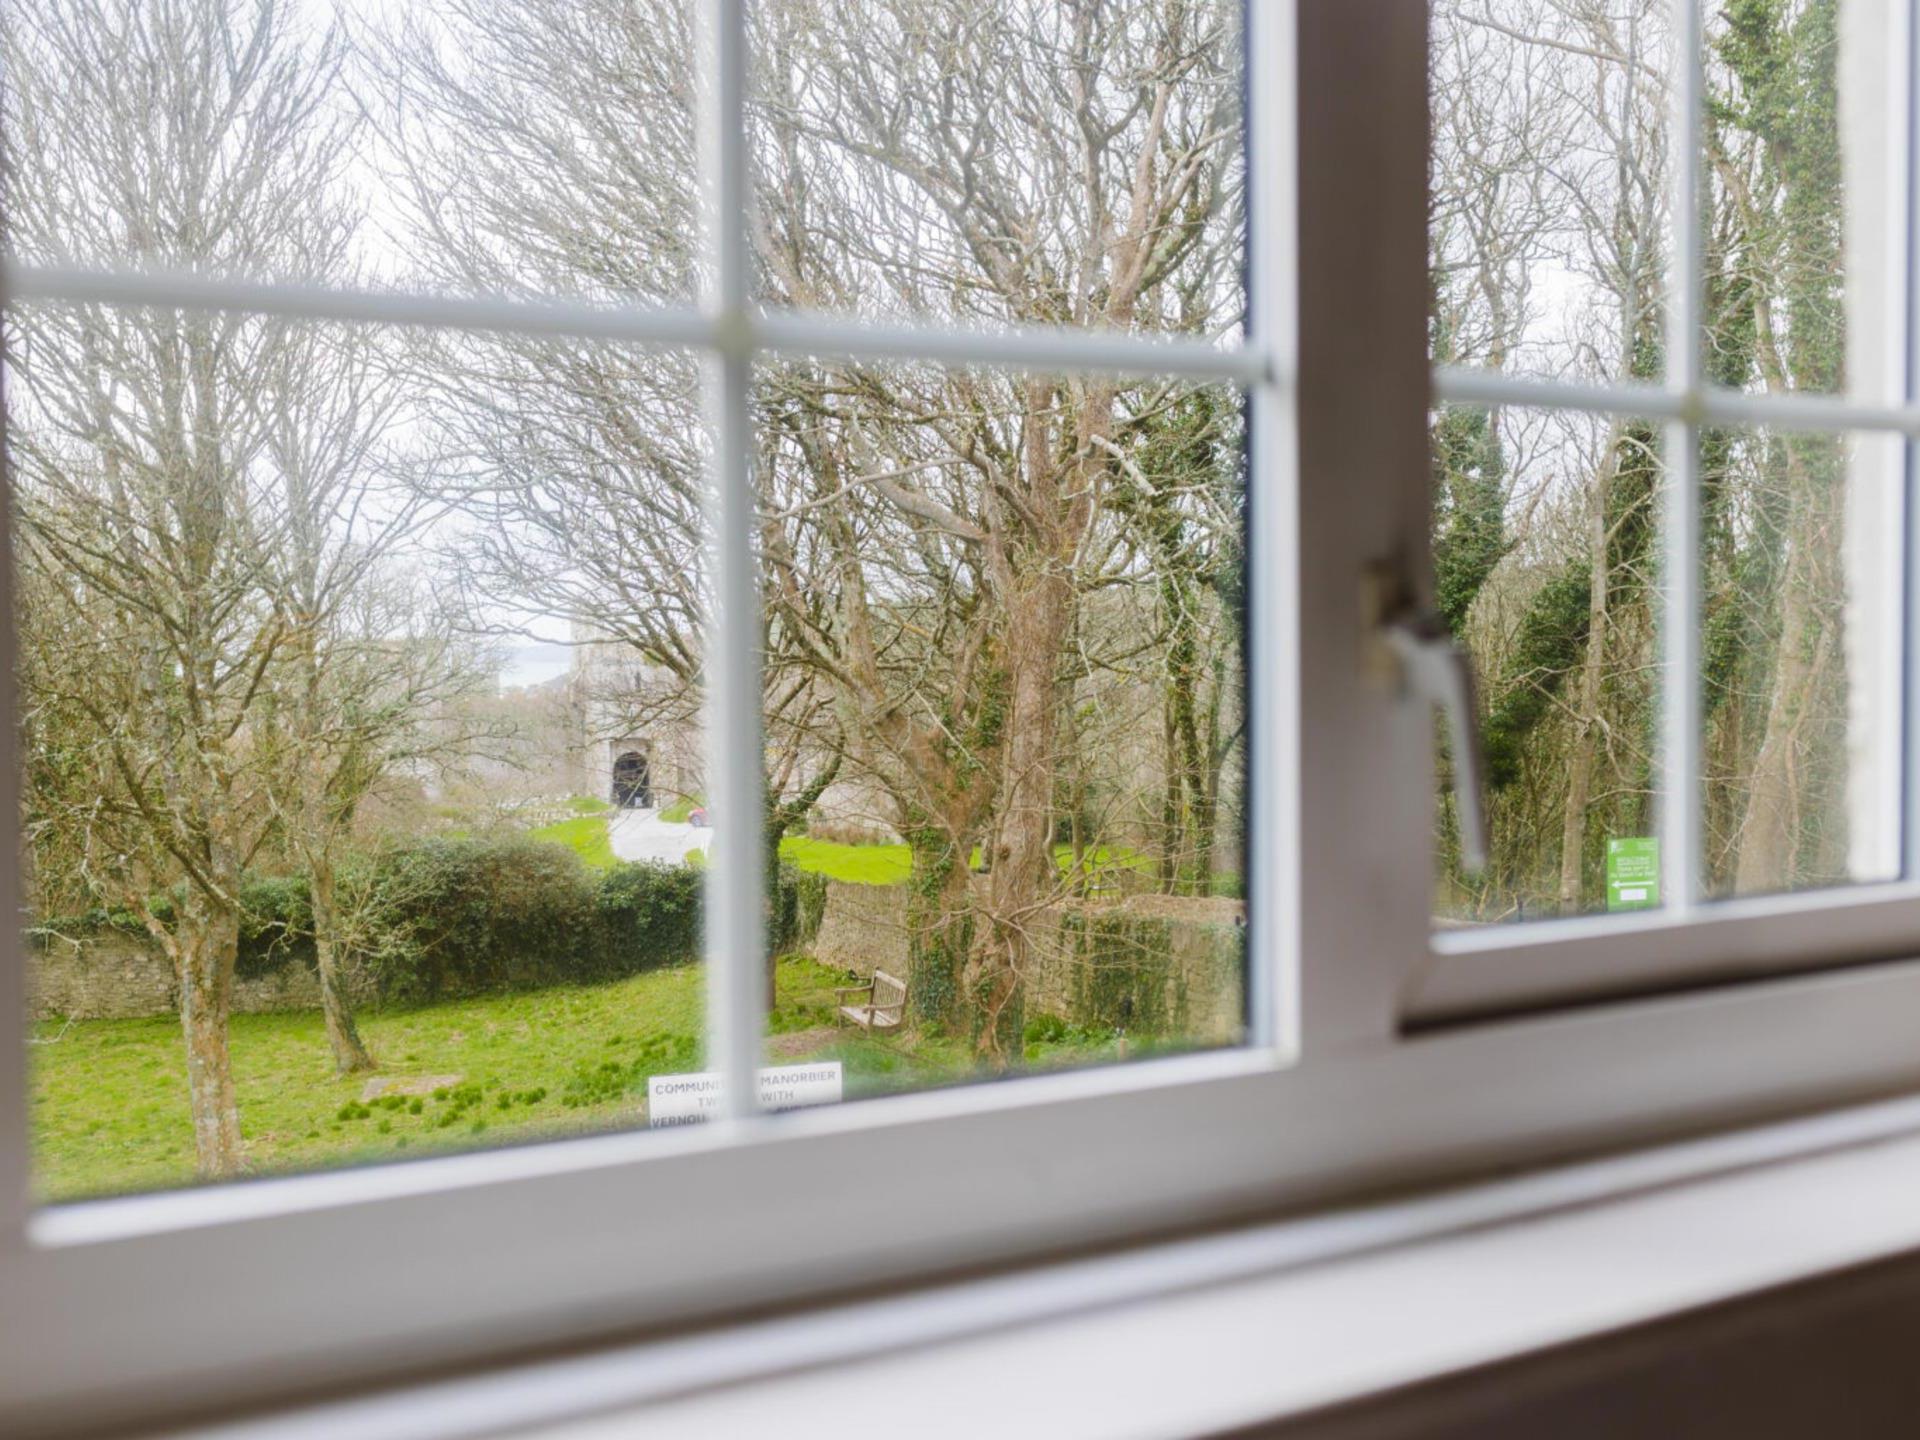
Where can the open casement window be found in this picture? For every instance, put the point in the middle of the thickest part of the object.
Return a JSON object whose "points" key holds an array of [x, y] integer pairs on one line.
{"points": [[1335, 1077], [1674, 510]]}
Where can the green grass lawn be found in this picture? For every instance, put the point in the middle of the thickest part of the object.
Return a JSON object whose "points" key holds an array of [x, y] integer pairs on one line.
{"points": [[585, 835], [891, 864], [681, 809], [862, 864], [110, 1096]]}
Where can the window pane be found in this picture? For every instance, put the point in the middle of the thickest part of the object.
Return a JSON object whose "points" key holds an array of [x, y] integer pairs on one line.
{"points": [[1550, 187], [1800, 167], [1546, 555], [1005, 718], [455, 145], [1802, 593], [987, 162], [360, 674]]}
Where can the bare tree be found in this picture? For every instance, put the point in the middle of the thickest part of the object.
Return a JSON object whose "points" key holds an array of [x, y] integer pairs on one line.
{"points": [[371, 682], [925, 536], [196, 135], [1550, 162], [553, 148], [1065, 164]]}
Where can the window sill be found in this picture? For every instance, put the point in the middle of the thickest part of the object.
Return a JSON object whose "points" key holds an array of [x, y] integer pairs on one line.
{"points": [[1237, 1328]]}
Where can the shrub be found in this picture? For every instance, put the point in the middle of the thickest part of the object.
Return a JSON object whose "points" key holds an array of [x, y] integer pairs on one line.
{"points": [[840, 832], [1045, 1030], [475, 916], [445, 918], [276, 925], [484, 916], [647, 916], [799, 900]]}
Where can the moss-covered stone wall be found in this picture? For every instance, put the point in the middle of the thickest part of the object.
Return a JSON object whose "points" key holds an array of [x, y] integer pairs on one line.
{"points": [[1155, 966]]}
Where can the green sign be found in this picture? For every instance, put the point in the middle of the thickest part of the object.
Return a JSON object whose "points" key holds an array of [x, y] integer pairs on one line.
{"points": [[1633, 873]]}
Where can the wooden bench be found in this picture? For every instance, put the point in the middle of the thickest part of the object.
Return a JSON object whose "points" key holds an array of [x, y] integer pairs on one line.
{"points": [[886, 1005]]}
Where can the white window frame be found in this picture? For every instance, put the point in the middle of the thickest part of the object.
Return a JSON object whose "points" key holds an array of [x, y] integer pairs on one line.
{"points": [[138, 1309]]}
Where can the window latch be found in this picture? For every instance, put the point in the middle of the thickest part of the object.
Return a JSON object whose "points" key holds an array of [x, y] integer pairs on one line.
{"points": [[1434, 668]]}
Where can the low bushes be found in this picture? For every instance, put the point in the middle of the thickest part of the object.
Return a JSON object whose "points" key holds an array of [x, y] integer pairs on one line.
{"points": [[276, 925], [648, 909], [441, 918], [471, 917]]}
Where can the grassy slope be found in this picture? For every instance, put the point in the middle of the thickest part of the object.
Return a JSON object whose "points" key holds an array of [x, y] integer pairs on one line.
{"points": [[862, 864], [110, 1106], [585, 835]]}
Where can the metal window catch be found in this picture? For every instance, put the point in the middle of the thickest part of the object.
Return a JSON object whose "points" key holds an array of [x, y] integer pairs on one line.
{"points": [[1436, 669]]}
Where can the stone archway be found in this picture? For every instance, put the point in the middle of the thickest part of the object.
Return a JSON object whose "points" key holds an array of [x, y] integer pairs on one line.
{"points": [[632, 781]]}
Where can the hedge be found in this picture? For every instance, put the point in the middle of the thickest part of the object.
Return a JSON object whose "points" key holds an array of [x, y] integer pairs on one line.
{"points": [[450, 918]]}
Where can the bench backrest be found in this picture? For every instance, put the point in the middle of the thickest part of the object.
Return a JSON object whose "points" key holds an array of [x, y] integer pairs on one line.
{"points": [[889, 991]]}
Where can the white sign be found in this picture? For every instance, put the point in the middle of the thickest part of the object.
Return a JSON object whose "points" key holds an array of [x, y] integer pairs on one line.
{"points": [[689, 1099]]}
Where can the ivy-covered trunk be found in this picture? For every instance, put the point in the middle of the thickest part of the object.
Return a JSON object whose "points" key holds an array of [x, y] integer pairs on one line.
{"points": [[784, 804], [1783, 58], [1169, 867], [939, 925], [1787, 779], [1022, 878], [1586, 713]]}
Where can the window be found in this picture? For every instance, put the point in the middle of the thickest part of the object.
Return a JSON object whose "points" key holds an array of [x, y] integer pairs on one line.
{"points": [[1673, 483], [271, 565], [836, 332]]}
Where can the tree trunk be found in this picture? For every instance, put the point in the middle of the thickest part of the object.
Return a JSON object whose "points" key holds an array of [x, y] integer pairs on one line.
{"points": [[1206, 814], [1586, 718], [939, 924], [206, 946], [343, 1036], [1781, 790], [1169, 800], [773, 829], [1023, 878], [780, 813], [1776, 793], [1193, 769]]}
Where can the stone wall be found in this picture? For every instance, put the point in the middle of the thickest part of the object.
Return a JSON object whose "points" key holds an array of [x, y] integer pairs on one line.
{"points": [[1151, 965], [863, 928], [1148, 964], [112, 975]]}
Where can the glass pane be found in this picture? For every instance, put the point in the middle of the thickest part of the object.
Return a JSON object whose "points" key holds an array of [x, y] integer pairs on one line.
{"points": [[1550, 187], [986, 162], [1802, 591], [1802, 147], [1006, 720], [1546, 556], [448, 145], [359, 674]]}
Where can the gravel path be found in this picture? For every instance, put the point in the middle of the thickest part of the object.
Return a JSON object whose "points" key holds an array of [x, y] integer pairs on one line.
{"points": [[643, 835]]}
